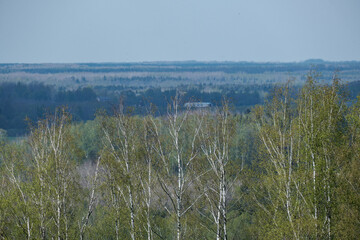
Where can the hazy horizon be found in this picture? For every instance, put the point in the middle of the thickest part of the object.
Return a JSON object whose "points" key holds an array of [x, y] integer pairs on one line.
{"points": [[110, 31], [185, 61]]}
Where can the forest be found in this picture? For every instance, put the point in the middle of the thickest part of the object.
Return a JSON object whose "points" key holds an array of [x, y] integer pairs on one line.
{"points": [[20, 101], [30, 91], [288, 168]]}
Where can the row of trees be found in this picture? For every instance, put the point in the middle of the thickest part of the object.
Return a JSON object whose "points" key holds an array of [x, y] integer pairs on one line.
{"points": [[288, 170], [20, 101], [147, 168]]}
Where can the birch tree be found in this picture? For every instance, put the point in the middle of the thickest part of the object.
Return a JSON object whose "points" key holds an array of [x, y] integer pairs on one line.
{"points": [[147, 179], [17, 191], [300, 141], [321, 110], [348, 209], [122, 144], [53, 157], [84, 222], [278, 197], [216, 139], [177, 149]]}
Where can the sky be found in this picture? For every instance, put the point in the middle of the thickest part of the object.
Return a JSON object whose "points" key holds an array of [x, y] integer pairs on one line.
{"points": [[70, 31]]}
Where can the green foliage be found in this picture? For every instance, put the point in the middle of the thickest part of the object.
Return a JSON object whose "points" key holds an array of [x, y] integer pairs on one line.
{"points": [[3, 136], [290, 167], [304, 148], [88, 139]]}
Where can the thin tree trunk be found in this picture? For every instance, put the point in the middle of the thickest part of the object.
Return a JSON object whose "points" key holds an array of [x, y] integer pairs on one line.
{"points": [[58, 217], [224, 210], [117, 229], [149, 202], [28, 228], [217, 221], [85, 219], [178, 201], [132, 217]]}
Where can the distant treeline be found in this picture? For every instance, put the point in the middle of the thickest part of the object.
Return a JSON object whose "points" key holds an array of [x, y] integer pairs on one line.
{"points": [[190, 66], [155, 96], [19, 101]]}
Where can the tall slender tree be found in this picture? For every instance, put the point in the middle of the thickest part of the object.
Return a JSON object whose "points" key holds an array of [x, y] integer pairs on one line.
{"points": [[177, 149], [122, 144], [301, 141], [53, 154], [216, 139]]}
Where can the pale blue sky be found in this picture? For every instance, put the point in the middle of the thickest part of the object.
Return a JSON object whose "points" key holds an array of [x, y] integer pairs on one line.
{"points": [[36, 31]]}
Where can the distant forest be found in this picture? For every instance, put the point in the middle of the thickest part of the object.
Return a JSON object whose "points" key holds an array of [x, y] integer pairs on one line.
{"points": [[20, 101], [167, 75], [32, 91], [187, 66]]}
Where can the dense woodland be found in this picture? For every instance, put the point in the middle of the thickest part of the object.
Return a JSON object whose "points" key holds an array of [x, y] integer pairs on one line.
{"points": [[287, 169], [20, 101]]}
